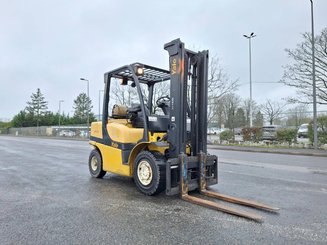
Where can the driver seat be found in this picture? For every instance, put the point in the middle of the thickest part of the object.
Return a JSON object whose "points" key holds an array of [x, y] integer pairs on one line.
{"points": [[119, 112], [156, 123], [136, 116]]}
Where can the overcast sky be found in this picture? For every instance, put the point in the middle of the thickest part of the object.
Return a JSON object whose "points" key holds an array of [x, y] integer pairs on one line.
{"points": [[51, 44]]}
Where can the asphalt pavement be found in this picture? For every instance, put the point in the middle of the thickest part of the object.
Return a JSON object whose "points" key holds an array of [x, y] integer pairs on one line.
{"points": [[48, 197]]}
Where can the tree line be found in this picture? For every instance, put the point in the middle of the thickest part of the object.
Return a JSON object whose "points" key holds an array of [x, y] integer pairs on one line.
{"points": [[36, 112]]}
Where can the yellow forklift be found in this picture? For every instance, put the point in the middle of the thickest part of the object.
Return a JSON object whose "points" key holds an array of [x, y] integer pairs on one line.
{"points": [[154, 129]]}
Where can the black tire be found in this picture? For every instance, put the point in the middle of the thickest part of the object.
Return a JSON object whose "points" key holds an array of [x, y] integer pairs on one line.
{"points": [[95, 164], [157, 180]]}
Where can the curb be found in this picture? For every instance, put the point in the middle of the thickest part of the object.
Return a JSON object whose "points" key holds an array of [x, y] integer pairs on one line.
{"points": [[263, 150]]}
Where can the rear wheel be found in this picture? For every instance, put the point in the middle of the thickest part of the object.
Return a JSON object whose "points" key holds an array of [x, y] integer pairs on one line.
{"points": [[149, 173], [95, 164]]}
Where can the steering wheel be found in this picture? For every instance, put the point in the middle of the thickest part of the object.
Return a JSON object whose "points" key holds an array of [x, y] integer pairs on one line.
{"points": [[163, 100]]}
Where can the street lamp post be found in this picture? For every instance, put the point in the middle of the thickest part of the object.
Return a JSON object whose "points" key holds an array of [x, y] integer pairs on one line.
{"points": [[88, 116], [314, 100], [100, 103], [60, 101], [250, 66]]}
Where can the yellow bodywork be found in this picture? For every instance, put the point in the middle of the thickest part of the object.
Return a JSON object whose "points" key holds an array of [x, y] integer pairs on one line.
{"points": [[121, 131]]}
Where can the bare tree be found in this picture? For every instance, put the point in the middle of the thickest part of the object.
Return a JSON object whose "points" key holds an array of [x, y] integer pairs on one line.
{"points": [[230, 104], [258, 119], [219, 84], [216, 112], [123, 95], [297, 115], [299, 73], [246, 108], [272, 110]]}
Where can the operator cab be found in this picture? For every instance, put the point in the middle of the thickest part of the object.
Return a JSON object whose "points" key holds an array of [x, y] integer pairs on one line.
{"points": [[150, 92]]}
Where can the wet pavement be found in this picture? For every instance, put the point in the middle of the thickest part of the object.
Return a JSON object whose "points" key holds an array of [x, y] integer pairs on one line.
{"points": [[48, 197]]}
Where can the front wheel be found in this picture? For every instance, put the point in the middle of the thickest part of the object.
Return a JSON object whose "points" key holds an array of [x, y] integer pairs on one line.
{"points": [[95, 164], [149, 173]]}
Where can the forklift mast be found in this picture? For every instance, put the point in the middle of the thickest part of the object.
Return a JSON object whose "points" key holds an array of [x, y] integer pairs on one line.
{"points": [[189, 167], [185, 64]]}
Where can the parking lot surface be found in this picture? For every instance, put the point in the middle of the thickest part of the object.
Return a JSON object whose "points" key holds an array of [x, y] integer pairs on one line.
{"points": [[48, 197]]}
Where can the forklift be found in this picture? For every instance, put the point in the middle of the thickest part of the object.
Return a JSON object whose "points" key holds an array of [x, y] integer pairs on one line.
{"points": [[161, 141]]}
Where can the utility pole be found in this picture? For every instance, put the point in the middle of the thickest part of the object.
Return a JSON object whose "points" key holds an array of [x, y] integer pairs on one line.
{"points": [[250, 70], [314, 93], [88, 115], [60, 101], [100, 103]]}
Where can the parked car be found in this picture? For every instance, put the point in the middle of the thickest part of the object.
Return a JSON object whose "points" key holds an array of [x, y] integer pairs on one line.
{"points": [[83, 133], [215, 130], [270, 132], [303, 131], [67, 133]]}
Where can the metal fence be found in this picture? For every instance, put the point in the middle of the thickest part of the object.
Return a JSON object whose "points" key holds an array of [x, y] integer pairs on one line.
{"points": [[49, 131]]}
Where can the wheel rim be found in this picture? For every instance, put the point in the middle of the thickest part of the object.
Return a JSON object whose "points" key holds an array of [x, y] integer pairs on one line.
{"points": [[144, 173], [94, 163]]}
